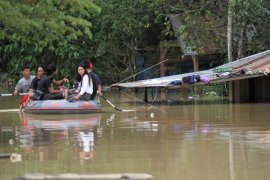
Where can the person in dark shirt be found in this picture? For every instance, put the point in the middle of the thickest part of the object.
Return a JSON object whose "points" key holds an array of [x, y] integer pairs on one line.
{"points": [[33, 87], [40, 74], [45, 85], [97, 88]]}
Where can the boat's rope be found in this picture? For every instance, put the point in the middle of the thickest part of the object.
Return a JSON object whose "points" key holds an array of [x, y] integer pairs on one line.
{"points": [[139, 100], [135, 74], [154, 99]]}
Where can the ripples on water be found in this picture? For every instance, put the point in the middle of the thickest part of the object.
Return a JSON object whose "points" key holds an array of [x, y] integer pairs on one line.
{"points": [[218, 141]]}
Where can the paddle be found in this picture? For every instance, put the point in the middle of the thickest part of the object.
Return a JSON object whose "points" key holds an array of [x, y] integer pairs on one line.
{"points": [[116, 108], [21, 94]]}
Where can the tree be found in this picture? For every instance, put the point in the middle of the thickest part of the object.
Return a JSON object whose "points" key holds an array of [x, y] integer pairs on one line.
{"points": [[44, 31], [120, 29], [111, 31], [204, 25], [251, 24]]}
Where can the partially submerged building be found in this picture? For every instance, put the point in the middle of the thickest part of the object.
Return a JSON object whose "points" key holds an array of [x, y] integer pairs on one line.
{"points": [[181, 55], [248, 77]]}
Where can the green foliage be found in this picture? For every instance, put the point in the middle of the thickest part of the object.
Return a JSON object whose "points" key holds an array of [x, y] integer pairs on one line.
{"points": [[253, 17], [111, 31], [120, 29], [205, 24], [44, 31], [213, 90]]}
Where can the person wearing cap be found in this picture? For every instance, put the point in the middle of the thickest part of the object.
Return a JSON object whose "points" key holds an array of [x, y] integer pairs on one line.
{"points": [[97, 88]]}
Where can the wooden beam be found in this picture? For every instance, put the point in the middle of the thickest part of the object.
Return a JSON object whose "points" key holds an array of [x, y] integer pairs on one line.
{"points": [[145, 99], [236, 91], [195, 60], [163, 52]]}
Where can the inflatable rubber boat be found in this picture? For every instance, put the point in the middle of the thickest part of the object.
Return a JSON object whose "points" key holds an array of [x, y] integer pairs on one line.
{"points": [[62, 107]]}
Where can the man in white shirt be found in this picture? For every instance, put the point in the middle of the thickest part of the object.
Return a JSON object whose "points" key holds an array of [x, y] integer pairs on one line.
{"points": [[24, 83]]}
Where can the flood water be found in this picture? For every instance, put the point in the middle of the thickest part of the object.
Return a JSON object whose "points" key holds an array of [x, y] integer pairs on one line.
{"points": [[196, 141]]}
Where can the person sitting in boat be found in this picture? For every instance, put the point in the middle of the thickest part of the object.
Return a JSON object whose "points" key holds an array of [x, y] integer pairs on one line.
{"points": [[96, 80], [33, 88], [45, 85], [24, 83], [85, 88]]}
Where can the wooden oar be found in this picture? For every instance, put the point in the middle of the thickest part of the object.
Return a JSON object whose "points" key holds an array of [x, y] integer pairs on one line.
{"points": [[13, 157], [85, 176], [21, 94], [9, 110], [116, 108], [5, 156]]}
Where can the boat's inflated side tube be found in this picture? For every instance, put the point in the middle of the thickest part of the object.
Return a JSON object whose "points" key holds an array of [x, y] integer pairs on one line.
{"points": [[62, 107]]}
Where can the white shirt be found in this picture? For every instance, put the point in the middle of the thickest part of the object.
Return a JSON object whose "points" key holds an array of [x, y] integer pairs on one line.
{"points": [[85, 86]]}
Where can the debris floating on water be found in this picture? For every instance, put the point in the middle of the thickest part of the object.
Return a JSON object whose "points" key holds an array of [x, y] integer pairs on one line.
{"points": [[15, 157], [86, 176], [7, 129], [10, 141]]}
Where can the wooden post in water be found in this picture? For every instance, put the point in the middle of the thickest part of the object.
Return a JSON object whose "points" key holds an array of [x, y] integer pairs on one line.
{"points": [[236, 89], [195, 60], [145, 99], [185, 93], [163, 52], [231, 99]]}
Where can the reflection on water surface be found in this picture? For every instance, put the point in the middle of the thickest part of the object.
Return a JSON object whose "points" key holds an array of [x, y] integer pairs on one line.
{"points": [[196, 141]]}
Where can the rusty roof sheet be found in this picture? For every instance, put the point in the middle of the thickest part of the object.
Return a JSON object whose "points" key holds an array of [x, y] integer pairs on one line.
{"points": [[254, 64]]}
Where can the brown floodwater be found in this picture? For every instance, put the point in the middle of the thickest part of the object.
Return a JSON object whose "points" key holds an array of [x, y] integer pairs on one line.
{"points": [[213, 140]]}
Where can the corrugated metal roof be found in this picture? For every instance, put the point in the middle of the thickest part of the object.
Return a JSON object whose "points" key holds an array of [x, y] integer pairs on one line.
{"points": [[252, 65]]}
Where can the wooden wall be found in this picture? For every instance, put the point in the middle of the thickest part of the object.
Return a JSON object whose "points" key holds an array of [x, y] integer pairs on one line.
{"points": [[251, 90]]}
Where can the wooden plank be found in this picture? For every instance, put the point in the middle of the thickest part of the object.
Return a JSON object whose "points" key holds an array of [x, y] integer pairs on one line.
{"points": [[85, 176], [195, 63], [163, 53], [9, 110], [145, 95]]}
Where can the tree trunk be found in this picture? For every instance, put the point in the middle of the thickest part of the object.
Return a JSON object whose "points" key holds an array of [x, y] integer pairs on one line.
{"points": [[230, 37], [230, 47], [241, 42]]}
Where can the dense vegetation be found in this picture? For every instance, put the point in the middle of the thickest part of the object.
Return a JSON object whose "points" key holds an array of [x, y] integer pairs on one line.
{"points": [[111, 31]]}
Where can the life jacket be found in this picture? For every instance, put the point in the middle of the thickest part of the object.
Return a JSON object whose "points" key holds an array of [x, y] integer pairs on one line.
{"points": [[24, 99]]}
